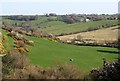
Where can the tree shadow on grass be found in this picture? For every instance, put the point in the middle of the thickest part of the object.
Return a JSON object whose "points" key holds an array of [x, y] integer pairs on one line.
{"points": [[112, 52]]}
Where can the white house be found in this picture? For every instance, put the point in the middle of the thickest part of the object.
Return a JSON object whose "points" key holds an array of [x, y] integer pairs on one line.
{"points": [[87, 20]]}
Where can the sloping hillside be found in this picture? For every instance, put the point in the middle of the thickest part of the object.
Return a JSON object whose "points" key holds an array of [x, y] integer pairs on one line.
{"points": [[58, 27], [47, 53]]}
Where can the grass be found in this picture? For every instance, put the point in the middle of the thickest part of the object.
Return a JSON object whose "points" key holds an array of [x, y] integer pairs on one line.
{"points": [[58, 27], [47, 54], [101, 35], [8, 43]]}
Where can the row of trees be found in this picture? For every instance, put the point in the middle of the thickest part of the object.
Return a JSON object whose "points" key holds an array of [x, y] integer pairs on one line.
{"points": [[69, 19], [23, 18]]}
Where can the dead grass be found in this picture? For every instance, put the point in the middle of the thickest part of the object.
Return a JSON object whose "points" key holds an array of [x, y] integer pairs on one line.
{"points": [[106, 34]]}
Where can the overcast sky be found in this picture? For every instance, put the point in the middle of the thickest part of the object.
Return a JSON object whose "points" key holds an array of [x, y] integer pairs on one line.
{"points": [[33, 7]]}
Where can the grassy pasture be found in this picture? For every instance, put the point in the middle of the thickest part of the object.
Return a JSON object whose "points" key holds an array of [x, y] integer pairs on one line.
{"points": [[58, 27], [47, 54], [8, 43]]}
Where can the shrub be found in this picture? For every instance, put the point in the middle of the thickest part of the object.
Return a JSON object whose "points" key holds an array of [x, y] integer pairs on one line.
{"points": [[109, 72], [29, 72], [69, 72], [2, 48], [34, 72], [4, 37], [15, 59], [62, 72], [19, 44], [36, 34], [22, 49]]}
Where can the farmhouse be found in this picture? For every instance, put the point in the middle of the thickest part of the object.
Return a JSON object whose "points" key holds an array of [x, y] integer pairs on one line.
{"points": [[87, 20]]}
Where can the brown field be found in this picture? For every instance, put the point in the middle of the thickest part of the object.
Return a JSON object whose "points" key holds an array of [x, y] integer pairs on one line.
{"points": [[106, 34]]}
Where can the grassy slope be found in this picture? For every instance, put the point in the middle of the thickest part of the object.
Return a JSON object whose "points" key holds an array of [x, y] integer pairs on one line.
{"points": [[8, 43], [58, 27], [47, 53]]}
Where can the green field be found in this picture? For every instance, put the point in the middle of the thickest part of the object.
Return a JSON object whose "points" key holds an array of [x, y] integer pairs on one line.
{"points": [[58, 27], [8, 43], [47, 54]]}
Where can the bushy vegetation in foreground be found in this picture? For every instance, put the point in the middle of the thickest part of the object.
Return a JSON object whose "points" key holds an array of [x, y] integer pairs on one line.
{"points": [[17, 66], [47, 53], [109, 72]]}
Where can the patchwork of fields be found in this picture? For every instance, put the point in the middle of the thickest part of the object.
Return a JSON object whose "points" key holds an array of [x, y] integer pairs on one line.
{"points": [[58, 27], [46, 53]]}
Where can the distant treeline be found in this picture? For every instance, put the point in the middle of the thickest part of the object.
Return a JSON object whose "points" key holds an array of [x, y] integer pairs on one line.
{"points": [[22, 18], [68, 18]]}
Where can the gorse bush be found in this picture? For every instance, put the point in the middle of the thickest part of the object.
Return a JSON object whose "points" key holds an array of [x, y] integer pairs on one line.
{"points": [[14, 59], [16, 66], [109, 72], [62, 72]]}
